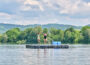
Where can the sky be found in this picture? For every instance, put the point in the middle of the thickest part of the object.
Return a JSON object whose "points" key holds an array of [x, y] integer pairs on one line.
{"points": [[25, 12]]}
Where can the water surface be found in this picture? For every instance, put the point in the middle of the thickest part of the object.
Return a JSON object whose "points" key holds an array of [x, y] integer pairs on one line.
{"points": [[20, 55]]}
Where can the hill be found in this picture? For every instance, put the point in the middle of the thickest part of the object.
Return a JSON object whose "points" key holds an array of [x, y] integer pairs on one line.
{"points": [[88, 25], [5, 27]]}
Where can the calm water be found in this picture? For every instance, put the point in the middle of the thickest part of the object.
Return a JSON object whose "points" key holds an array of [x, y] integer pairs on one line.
{"points": [[19, 55]]}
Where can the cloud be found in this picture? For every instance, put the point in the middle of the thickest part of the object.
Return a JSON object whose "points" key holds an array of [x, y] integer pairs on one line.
{"points": [[78, 21], [45, 11], [33, 4], [5, 16], [70, 7], [26, 22]]}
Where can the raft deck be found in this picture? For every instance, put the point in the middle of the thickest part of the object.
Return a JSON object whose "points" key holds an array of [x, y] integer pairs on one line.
{"points": [[47, 46]]}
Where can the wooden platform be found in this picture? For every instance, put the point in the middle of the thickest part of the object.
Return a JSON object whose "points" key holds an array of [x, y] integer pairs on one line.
{"points": [[47, 46]]}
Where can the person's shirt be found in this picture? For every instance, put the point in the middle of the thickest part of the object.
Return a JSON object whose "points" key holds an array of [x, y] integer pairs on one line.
{"points": [[38, 36]]}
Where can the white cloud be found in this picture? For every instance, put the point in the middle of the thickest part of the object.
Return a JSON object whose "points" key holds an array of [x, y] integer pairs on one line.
{"points": [[5, 16], [49, 21], [88, 3], [46, 11], [63, 6], [78, 6], [33, 4], [26, 22], [78, 21], [68, 6], [26, 8]]}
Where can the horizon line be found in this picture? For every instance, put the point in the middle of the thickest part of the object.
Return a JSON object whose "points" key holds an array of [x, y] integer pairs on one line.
{"points": [[42, 24]]}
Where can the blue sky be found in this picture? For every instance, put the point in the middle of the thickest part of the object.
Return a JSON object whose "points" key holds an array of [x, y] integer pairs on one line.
{"points": [[24, 12]]}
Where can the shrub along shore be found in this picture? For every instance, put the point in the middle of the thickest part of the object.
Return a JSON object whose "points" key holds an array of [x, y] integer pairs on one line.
{"points": [[29, 35]]}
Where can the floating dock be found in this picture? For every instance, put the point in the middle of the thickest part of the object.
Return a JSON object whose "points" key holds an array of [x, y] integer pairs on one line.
{"points": [[47, 46]]}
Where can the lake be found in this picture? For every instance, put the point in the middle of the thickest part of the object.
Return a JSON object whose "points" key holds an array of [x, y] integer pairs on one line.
{"points": [[20, 55]]}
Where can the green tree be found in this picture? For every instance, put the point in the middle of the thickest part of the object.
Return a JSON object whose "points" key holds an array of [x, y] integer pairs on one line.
{"points": [[86, 34], [0, 37], [13, 34], [61, 35], [21, 42], [54, 31], [38, 29], [22, 35], [30, 35], [70, 36], [3, 38], [67, 36], [56, 34], [45, 30]]}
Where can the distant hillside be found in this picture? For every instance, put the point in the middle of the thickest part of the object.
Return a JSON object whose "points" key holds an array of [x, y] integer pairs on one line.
{"points": [[5, 27], [88, 25], [60, 26]]}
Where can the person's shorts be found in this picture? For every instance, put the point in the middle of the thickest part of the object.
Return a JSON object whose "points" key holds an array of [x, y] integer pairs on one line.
{"points": [[45, 37]]}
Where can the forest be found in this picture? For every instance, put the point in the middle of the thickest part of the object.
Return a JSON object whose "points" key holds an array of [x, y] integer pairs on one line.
{"points": [[29, 35]]}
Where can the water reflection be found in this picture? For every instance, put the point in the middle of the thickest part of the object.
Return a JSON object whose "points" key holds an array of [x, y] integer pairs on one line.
{"points": [[19, 55]]}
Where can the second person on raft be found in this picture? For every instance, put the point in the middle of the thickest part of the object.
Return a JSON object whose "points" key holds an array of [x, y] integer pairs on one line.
{"points": [[45, 38]]}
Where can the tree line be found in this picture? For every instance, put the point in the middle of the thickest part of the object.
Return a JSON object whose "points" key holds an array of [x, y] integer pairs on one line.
{"points": [[29, 35]]}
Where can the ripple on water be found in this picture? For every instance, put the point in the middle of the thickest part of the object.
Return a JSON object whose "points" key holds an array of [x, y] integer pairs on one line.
{"points": [[19, 55]]}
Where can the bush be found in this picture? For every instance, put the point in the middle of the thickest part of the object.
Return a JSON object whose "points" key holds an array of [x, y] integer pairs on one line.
{"points": [[21, 42]]}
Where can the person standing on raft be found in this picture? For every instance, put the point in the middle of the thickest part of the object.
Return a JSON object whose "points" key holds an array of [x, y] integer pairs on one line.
{"points": [[38, 37], [45, 38]]}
